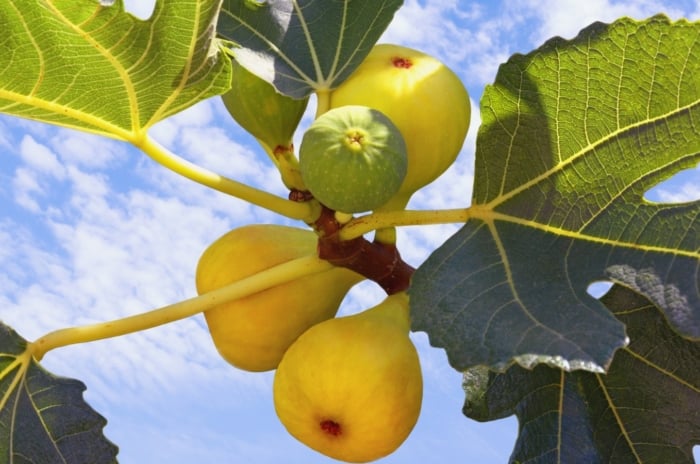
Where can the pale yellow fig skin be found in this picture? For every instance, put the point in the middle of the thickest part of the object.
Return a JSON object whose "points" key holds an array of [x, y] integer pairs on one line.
{"points": [[424, 99], [351, 387], [252, 333]]}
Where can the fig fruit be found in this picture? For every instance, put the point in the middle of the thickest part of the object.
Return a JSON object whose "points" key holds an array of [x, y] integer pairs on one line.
{"points": [[252, 333], [352, 159], [261, 110], [351, 387], [271, 117], [423, 98]]}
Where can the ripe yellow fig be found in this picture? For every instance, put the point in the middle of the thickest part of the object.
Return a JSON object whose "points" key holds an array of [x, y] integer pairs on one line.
{"points": [[351, 387], [252, 333], [424, 98]]}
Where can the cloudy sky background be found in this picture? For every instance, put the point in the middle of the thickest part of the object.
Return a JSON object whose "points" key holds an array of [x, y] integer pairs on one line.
{"points": [[92, 230]]}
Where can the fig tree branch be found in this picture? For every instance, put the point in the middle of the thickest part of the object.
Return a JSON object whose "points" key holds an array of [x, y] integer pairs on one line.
{"points": [[380, 262]]}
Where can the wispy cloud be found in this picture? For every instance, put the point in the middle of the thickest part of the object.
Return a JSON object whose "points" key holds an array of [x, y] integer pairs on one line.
{"points": [[555, 17], [681, 193], [111, 252]]}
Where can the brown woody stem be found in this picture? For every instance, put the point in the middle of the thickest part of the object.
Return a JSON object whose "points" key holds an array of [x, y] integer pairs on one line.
{"points": [[380, 262]]}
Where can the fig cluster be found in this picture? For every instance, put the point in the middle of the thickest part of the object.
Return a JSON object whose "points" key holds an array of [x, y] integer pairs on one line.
{"points": [[253, 333], [392, 127], [349, 387]]}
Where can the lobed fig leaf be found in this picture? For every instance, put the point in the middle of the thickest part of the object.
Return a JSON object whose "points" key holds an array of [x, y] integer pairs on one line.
{"points": [[351, 387], [353, 159], [423, 98], [252, 333]]}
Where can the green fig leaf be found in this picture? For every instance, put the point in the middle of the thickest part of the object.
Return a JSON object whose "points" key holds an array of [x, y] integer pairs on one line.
{"points": [[44, 418], [84, 65], [645, 409], [302, 46], [572, 136]]}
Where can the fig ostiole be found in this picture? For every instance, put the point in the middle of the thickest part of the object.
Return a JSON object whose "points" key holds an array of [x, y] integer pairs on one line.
{"points": [[353, 159], [351, 387], [423, 98]]}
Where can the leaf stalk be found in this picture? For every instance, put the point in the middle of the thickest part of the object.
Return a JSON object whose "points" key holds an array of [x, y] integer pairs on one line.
{"points": [[389, 219], [291, 209]]}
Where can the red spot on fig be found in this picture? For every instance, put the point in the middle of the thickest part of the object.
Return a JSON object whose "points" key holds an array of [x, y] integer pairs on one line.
{"points": [[331, 427], [400, 62]]}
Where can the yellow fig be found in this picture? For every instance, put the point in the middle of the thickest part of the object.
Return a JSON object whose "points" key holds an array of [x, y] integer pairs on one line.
{"points": [[351, 387], [252, 333], [423, 98]]}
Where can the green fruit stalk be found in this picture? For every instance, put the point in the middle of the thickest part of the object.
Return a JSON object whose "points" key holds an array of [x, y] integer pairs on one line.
{"points": [[272, 118], [353, 159]]}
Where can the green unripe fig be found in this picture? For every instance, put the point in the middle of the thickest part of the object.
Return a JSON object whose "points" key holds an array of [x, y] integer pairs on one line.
{"points": [[352, 159], [258, 108], [351, 387], [424, 98], [252, 333]]}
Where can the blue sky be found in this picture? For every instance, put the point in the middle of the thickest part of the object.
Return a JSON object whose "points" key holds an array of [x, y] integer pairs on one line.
{"points": [[92, 230]]}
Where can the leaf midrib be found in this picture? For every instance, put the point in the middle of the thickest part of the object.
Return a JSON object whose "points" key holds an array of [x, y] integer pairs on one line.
{"points": [[503, 197], [116, 65], [490, 217], [273, 47], [105, 127]]}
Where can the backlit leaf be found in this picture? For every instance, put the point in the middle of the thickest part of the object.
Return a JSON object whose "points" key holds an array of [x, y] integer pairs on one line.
{"points": [[572, 136], [301, 46], [89, 65]]}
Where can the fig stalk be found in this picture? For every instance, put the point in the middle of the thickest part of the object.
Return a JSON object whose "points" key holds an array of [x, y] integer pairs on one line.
{"points": [[276, 275]]}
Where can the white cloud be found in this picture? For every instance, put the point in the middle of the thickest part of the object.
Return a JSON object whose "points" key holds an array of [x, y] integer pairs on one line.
{"points": [[40, 157], [87, 151], [140, 8], [681, 194], [433, 27], [26, 186], [5, 135], [556, 18]]}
